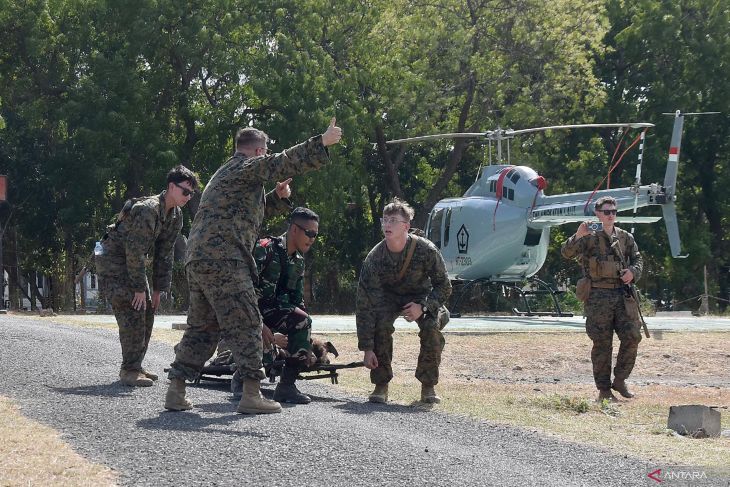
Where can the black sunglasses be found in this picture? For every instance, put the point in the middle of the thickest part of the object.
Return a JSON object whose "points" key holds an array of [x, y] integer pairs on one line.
{"points": [[308, 233], [185, 191], [608, 212]]}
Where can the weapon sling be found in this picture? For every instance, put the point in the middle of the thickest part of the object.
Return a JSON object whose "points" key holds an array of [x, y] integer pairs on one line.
{"points": [[630, 288], [409, 255]]}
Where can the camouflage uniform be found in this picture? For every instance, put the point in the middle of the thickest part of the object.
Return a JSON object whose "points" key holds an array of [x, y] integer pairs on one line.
{"points": [[281, 290], [381, 297], [220, 266], [605, 310], [146, 230]]}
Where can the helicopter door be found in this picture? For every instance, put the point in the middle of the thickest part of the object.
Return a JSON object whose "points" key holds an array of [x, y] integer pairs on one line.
{"points": [[433, 229]]}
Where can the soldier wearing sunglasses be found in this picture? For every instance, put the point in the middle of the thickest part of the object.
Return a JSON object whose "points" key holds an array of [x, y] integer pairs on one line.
{"points": [[221, 268], [605, 308], [145, 226]]}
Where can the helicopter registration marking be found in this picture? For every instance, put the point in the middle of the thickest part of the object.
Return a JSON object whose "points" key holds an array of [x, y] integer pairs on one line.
{"points": [[462, 260], [562, 211]]}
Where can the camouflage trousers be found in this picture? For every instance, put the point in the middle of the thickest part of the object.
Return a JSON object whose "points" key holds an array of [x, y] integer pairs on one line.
{"points": [[223, 304], [606, 313], [429, 357], [297, 328], [135, 327]]}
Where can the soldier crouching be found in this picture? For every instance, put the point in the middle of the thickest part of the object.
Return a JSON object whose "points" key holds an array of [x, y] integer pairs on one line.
{"points": [[403, 275]]}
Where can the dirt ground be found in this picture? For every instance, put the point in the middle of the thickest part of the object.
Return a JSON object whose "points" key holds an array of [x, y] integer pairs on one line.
{"points": [[543, 381], [688, 360]]}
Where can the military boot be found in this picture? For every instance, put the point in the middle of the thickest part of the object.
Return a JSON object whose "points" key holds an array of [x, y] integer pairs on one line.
{"points": [[619, 385], [428, 395], [149, 375], [379, 394], [607, 395], [135, 378], [252, 402], [175, 399], [286, 391]]}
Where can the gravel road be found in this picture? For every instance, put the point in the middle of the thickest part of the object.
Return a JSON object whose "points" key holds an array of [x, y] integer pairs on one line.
{"points": [[66, 377]]}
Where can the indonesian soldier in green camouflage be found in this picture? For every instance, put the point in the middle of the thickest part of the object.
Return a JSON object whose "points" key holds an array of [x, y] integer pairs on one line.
{"points": [[145, 226], [605, 309], [280, 262], [220, 267], [419, 295]]}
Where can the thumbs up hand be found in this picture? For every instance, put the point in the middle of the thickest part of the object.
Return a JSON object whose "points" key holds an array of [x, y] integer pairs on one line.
{"points": [[332, 135]]}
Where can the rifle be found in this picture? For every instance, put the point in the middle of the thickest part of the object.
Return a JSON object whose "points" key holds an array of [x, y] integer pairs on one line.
{"points": [[629, 289]]}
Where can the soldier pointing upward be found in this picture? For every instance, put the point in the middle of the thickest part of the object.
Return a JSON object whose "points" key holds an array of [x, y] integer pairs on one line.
{"points": [[220, 267]]}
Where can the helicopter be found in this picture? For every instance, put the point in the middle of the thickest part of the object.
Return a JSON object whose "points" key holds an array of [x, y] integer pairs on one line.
{"points": [[499, 230]]}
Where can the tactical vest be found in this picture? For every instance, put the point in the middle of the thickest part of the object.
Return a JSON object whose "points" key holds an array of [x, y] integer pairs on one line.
{"points": [[602, 265]]}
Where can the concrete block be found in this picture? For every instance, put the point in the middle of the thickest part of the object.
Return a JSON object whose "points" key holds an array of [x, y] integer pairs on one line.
{"points": [[179, 326], [694, 420]]}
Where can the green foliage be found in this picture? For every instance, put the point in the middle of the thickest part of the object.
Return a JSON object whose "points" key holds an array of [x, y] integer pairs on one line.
{"points": [[557, 402], [99, 99]]}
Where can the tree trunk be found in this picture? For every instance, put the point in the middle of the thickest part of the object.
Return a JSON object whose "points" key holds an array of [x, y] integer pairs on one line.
{"points": [[12, 262]]}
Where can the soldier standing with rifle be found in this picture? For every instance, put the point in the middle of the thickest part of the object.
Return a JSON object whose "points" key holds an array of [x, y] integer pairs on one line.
{"points": [[611, 261]]}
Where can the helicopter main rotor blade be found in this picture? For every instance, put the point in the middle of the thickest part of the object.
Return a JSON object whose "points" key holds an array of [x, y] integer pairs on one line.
{"points": [[634, 125], [501, 134], [458, 135]]}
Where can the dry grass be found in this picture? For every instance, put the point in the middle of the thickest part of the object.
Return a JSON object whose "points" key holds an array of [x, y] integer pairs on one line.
{"points": [[543, 381], [33, 454]]}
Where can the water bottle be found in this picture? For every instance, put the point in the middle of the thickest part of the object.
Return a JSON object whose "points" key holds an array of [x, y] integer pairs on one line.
{"points": [[98, 249]]}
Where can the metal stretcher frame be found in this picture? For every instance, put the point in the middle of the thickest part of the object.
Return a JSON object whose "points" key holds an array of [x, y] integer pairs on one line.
{"points": [[216, 373]]}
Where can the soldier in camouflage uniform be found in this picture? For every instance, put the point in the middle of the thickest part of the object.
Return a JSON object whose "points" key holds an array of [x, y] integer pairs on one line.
{"points": [[280, 263], [418, 296], [605, 309], [221, 269], [145, 226]]}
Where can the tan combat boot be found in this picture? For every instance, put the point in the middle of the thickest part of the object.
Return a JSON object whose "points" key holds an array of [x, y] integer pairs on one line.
{"points": [[134, 378], [175, 399], [252, 402], [428, 395], [619, 385], [379, 394], [149, 375]]}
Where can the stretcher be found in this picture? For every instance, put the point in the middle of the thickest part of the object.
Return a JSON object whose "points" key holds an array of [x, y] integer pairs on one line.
{"points": [[224, 373]]}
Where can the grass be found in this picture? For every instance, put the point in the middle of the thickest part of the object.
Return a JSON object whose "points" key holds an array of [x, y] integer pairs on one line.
{"points": [[33, 454], [543, 382]]}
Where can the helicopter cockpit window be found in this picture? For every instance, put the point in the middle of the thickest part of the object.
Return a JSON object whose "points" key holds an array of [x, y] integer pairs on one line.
{"points": [[434, 227], [510, 193], [515, 177]]}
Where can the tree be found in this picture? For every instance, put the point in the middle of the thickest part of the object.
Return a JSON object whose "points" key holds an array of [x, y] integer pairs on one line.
{"points": [[676, 55]]}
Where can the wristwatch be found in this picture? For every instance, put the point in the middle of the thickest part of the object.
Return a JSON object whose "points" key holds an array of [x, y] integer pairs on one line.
{"points": [[424, 309]]}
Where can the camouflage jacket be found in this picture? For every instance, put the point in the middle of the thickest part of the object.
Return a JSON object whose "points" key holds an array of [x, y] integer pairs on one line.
{"points": [[233, 203], [599, 261], [281, 276], [425, 282], [146, 230]]}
